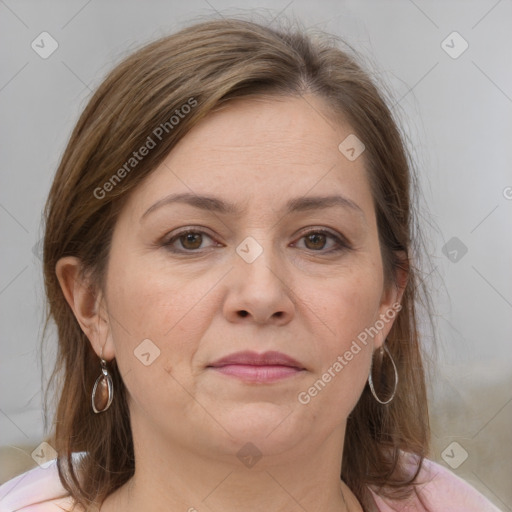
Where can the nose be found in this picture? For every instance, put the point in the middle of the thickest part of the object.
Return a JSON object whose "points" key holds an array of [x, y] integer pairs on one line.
{"points": [[259, 291]]}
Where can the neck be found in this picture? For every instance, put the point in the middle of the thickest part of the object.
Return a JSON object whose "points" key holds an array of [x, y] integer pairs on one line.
{"points": [[173, 478]]}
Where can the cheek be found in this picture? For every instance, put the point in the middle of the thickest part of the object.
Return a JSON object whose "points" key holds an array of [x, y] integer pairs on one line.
{"points": [[346, 309], [153, 303], [348, 305], [156, 322]]}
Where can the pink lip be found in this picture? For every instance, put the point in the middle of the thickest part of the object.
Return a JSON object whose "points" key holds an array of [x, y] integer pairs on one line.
{"points": [[251, 366]]}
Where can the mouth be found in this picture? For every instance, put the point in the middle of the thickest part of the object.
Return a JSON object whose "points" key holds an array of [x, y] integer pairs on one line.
{"points": [[254, 367]]}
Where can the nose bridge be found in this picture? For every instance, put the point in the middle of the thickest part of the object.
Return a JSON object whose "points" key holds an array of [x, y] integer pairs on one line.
{"points": [[259, 260], [260, 287]]}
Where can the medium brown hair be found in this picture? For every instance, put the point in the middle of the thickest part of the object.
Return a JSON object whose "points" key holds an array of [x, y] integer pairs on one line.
{"points": [[213, 62]]}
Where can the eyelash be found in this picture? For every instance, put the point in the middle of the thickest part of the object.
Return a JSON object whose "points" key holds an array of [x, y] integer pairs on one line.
{"points": [[341, 243]]}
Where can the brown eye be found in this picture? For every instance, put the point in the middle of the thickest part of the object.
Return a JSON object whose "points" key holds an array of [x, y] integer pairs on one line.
{"points": [[324, 242], [191, 240], [315, 241]]}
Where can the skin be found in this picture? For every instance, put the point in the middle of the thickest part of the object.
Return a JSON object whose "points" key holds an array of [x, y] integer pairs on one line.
{"points": [[299, 297]]}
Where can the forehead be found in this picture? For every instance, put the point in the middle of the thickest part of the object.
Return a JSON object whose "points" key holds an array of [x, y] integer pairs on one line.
{"points": [[260, 149], [266, 129]]}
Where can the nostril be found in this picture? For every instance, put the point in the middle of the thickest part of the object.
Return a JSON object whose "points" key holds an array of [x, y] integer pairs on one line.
{"points": [[243, 313]]}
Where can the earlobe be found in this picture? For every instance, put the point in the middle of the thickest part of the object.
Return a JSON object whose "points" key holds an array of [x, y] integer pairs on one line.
{"points": [[85, 302], [400, 278], [391, 300]]}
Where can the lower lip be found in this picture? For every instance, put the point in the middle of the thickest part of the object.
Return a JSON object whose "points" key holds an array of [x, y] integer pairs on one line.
{"points": [[253, 373]]}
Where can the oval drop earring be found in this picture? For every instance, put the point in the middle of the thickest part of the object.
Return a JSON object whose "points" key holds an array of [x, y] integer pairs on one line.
{"points": [[385, 349], [103, 391]]}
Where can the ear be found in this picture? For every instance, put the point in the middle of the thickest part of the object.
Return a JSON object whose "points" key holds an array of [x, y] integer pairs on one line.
{"points": [[391, 298], [88, 305]]}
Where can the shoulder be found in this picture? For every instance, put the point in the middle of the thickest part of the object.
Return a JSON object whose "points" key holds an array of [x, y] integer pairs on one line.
{"points": [[37, 490], [438, 490]]}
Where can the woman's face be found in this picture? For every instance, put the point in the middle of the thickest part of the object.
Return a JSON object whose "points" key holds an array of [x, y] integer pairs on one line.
{"points": [[267, 266]]}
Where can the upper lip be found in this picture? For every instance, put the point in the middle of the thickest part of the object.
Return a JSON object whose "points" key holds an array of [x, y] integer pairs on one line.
{"points": [[271, 358]]}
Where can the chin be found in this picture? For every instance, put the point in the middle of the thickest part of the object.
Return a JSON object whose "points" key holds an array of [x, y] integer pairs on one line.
{"points": [[272, 428]]}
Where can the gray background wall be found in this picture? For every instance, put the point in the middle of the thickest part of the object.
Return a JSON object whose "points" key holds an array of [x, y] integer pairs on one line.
{"points": [[456, 107]]}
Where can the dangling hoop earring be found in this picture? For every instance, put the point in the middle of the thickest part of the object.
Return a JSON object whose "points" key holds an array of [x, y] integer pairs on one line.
{"points": [[103, 391], [370, 379]]}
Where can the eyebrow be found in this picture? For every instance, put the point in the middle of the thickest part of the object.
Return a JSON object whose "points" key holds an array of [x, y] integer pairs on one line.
{"points": [[217, 205]]}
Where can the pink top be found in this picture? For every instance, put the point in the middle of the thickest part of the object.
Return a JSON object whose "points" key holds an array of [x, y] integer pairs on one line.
{"points": [[441, 490]]}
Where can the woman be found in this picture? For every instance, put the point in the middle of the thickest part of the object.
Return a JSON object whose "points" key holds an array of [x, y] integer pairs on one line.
{"points": [[229, 262]]}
